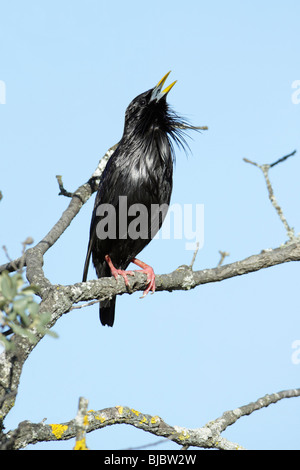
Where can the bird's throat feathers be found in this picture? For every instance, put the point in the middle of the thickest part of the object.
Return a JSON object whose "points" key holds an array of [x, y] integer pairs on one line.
{"points": [[155, 135]]}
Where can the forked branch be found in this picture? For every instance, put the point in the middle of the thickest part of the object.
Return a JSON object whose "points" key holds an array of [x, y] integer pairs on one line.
{"points": [[207, 437]]}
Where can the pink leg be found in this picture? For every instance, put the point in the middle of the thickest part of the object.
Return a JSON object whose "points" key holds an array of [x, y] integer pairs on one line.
{"points": [[118, 272], [145, 269], [150, 275]]}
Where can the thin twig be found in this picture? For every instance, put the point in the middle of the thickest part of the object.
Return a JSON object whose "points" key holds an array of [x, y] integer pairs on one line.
{"points": [[186, 126], [223, 256], [146, 446], [88, 304], [63, 191], [25, 243], [282, 159], [265, 169], [194, 256], [12, 262]]}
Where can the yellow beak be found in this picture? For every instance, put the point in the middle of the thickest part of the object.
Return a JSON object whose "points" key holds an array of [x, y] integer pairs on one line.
{"points": [[157, 94]]}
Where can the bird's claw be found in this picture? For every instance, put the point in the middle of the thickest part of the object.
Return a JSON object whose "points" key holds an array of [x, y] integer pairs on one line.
{"points": [[119, 272], [145, 270], [151, 279]]}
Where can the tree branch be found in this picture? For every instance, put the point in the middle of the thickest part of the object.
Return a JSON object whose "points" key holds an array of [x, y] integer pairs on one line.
{"points": [[265, 169], [82, 421], [207, 437], [79, 198], [58, 300], [230, 417], [183, 278]]}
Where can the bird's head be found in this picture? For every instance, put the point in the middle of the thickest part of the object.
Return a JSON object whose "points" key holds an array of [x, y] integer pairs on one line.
{"points": [[149, 111]]}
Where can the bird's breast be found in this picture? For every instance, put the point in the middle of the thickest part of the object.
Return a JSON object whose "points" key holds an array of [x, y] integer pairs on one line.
{"points": [[151, 168]]}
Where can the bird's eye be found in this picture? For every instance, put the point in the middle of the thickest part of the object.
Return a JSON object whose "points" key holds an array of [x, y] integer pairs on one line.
{"points": [[143, 102]]}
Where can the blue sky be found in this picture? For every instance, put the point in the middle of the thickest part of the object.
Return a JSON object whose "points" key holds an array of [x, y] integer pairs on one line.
{"points": [[70, 70]]}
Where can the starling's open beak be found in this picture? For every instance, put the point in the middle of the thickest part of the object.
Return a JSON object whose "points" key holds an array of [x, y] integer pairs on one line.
{"points": [[157, 94]]}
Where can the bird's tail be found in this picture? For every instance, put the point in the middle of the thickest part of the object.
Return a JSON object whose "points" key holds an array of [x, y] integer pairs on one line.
{"points": [[107, 311], [107, 306]]}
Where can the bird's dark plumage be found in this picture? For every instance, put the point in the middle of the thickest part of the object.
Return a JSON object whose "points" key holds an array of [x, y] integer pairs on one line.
{"points": [[140, 169]]}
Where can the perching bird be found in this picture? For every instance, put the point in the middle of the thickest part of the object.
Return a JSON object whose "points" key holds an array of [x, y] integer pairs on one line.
{"points": [[137, 178]]}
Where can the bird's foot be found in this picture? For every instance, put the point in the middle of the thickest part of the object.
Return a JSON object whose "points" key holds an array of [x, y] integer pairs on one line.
{"points": [[124, 274], [118, 272], [146, 269]]}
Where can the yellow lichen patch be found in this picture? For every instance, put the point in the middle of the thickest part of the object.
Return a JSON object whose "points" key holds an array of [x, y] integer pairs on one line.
{"points": [[100, 418], [144, 420], [135, 412], [154, 419], [58, 430], [81, 445], [120, 409], [91, 411], [183, 436], [85, 420]]}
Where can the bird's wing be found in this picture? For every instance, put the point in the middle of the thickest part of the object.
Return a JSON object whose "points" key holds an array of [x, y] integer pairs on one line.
{"points": [[92, 239], [88, 255]]}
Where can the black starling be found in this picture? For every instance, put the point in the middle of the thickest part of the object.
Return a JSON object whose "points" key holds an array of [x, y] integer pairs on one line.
{"points": [[136, 179]]}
